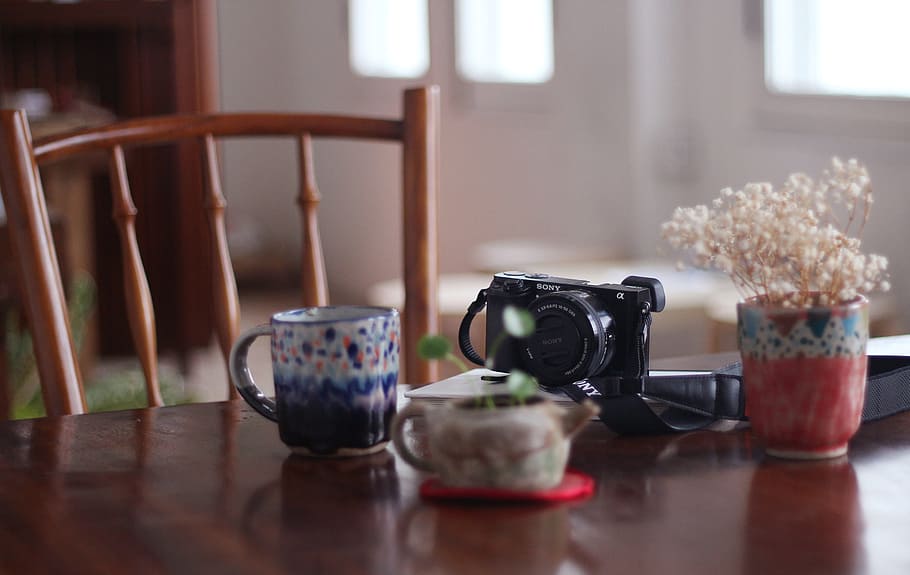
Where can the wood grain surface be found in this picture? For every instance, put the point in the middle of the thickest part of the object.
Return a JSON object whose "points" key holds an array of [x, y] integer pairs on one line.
{"points": [[210, 488]]}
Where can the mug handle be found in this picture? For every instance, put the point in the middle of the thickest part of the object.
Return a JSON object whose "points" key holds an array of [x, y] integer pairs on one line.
{"points": [[409, 411], [243, 379]]}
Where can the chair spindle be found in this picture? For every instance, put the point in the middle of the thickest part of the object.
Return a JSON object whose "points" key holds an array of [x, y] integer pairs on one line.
{"points": [[140, 313], [313, 280], [227, 303]]}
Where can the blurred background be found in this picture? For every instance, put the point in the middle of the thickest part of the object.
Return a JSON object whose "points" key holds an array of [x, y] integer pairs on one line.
{"points": [[570, 131]]}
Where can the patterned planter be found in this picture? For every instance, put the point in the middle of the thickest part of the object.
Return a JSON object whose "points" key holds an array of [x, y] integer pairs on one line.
{"points": [[805, 375]]}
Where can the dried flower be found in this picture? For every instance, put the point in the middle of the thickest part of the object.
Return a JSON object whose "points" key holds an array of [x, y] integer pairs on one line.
{"points": [[798, 245]]}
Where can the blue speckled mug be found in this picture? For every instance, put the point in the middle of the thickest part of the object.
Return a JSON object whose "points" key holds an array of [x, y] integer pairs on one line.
{"points": [[335, 371]]}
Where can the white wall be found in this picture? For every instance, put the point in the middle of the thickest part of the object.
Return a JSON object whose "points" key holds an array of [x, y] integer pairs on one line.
{"points": [[738, 133], [553, 166], [655, 104]]}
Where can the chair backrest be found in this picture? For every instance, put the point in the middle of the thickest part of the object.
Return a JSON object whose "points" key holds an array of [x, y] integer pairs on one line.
{"points": [[23, 196]]}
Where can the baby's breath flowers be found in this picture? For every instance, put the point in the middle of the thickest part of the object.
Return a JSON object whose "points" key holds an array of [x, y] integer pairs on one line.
{"points": [[796, 246]]}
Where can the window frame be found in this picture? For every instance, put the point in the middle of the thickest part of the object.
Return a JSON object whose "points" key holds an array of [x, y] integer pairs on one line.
{"points": [[511, 98], [832, 114], [427, 71], [456, 20]]}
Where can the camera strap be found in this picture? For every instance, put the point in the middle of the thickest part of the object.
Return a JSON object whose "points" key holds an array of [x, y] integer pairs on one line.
{"points": [[464, 330], [685, 401]]}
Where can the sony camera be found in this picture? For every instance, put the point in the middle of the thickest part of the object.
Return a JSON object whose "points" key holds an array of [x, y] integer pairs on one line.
{"points": [[581, 330]]}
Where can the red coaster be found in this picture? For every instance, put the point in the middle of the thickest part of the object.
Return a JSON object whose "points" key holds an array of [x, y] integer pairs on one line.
{"points": [[574, 485]]}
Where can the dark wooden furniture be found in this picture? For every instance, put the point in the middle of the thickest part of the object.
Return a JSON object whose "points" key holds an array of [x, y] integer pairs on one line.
{"points": [[10, 304], [416, 131], [210, 488], [133, 58]]}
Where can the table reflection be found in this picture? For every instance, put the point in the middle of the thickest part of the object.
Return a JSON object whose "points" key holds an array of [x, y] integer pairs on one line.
{"points": [[365, 533], [631, 471], [533, 539], [807, 511]]}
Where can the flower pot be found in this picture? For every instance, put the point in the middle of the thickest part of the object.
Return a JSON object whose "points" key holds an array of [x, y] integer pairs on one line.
{"points": [[516, 447], [804, 371]]}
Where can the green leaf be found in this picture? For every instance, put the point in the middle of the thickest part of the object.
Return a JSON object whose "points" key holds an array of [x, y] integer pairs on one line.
{"points": [[433, 347], [521, 385], [517, 322]]}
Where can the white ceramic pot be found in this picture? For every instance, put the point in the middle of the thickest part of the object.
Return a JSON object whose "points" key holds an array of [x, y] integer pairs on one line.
{"points": [[520, 447]]}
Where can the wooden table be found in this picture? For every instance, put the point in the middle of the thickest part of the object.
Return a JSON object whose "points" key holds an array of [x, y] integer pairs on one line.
{"points": [[210, 488]]}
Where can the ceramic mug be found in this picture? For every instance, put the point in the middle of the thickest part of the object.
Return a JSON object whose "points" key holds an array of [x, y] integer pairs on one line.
{"points": [[335, 371]]}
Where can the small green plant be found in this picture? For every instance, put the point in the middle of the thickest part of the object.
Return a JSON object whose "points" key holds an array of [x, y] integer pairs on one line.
{"points": [[517, 323]]}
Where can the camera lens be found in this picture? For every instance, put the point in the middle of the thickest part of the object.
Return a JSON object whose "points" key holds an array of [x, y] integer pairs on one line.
{"points": [[573, 339]]}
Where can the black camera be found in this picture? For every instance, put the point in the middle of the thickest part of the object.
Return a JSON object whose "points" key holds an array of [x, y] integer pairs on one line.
{"points": [[581, 330]]}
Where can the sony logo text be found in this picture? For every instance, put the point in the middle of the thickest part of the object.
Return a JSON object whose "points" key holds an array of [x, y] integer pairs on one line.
{"points": [[548, 287], [587, 388]]}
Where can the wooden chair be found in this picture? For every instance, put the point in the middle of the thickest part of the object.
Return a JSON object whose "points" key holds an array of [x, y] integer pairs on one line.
{"points": [[20, 182]]}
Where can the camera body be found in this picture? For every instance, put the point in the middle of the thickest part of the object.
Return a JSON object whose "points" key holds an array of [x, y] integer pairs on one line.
{"points": [[582, 330]]}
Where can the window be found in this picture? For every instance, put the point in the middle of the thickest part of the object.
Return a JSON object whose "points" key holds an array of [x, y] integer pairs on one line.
{"points": [[389, 38], [508, 41], [496, 41], [838, 47]]}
